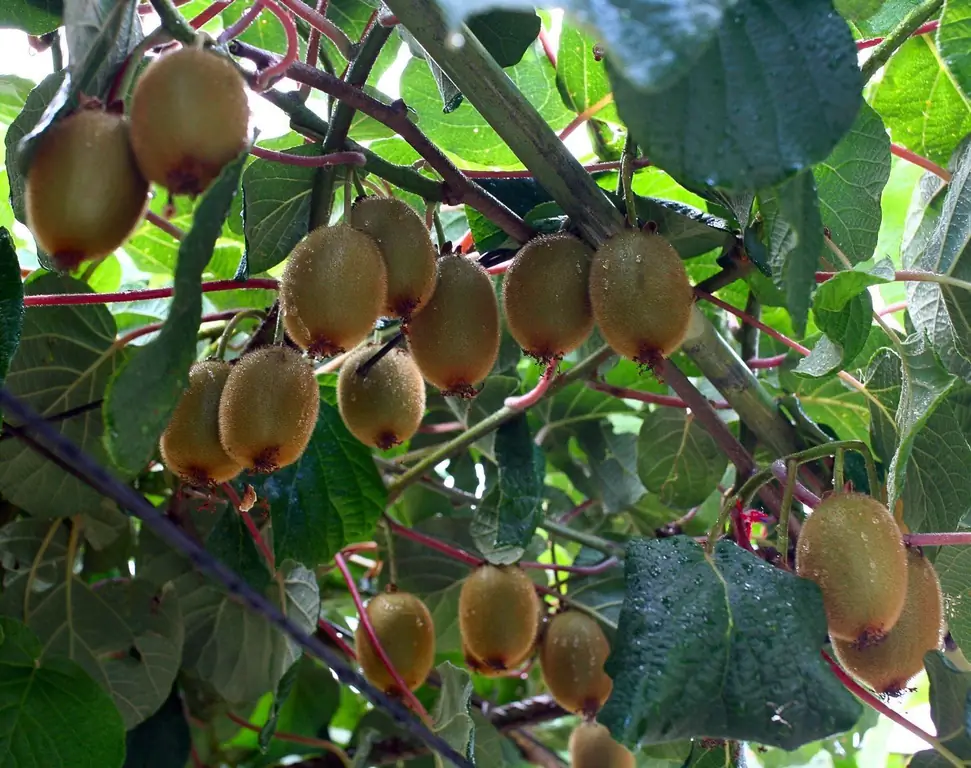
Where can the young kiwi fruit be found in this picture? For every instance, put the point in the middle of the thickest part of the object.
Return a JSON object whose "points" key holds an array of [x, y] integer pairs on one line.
{"points": [[546, 298], [640, 296], [406, 632], [572, 655], [384, 407], [268, 408], [455, 336], [190, 443], [852, 548], [84, 192], [889, 666], [499, 615], [332, 290], [190, 118], [407, 248], [592, 746]]}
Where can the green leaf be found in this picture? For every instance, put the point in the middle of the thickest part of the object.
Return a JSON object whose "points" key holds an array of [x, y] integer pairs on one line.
{"points": [[11, 302], [143, 394], [612, 463], [506, 35], [677, 459], [580, 78], [850, 183], [848, 328], [694, 634], [280, 696], [99, 34], [952, 41], [604, 592], [162, 741], [13, 96], [778, 87], [949, 698], [35, 17], [332, 496], [831, 402], [452, 713], [953, 566], [690, 231], [54, 714], [230, 542]]}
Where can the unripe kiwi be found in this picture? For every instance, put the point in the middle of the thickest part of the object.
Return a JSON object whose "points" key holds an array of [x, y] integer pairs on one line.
{"points": [[889, 666], [592, 746], [268, 409], [851, 547], [84, 192], [499, 615], [407, 248], [572, 656], [332, 290], [406, 632], [545, 295], [455, 336], [190, 118], [640, 296], [384, 407], [190, 444]]}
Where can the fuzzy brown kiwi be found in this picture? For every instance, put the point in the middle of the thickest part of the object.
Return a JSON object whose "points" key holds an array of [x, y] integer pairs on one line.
{"points": [[84, 192], [852, 548], [407, 248], [592, 746], [384, 407], [268, 409], [889, 666], [640, 296], [499, 616], [455, 336], [406, 632], [332, 290], [545, 295], [572, 656], [190, 118], [190, 443]]}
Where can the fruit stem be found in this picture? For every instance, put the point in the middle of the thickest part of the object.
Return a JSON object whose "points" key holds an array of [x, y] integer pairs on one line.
{"points": [[532, 397], [441, 428], [782, 529], [627, 156], [802, 494], [254, 531], [650, 397], [128, 338], [365, 619], [392, 561], [439, 227], [231, 327], [609, 548], [955, 538], [365, 368], [898, 36], [607, 165], [323, 25], [432, 543], [71, 299], [164, 224], [581, 570], [173, 22], [923, 29], [295, 738], [585, 115]]}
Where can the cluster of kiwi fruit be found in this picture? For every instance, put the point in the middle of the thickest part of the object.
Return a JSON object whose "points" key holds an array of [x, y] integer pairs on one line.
{"points": [[883, 602], [88, 181]]}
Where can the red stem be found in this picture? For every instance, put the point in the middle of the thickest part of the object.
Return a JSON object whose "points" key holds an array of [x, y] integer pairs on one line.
{"points": [[313, 48], [242, 23], [499, 269], [405, 691], [536, 393], [957, 538], [465, 244], [334, 158], [72, 299], [574, 513], [164, 224], [583, 570], [321, 23], [640, 162], [741, 534], [432, 543], [441, 429], [747, 318], [892, 308], [254, 532], [766, 362], [924, 29], [650, 397], [129, 337], [923, 162], [547, 46], [339, 641], [585, 115], [272, 72], [210, 13]]}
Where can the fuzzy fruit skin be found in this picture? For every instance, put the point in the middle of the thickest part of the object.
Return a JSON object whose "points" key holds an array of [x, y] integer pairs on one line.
{"points": [[190, 444], [406, 247], [268, 409], [190, 118], [572, 657], [592, 746], [852, 548], [546, 296], [499, 615], [84, 192], [385, 407], [455, 337], [332, 290], [640, 296], [889, 666], [406, 631]]}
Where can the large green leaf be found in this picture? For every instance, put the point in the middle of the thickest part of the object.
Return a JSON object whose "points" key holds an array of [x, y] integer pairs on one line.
{"points": [[11, 302], [51, 712], [695, 633], [35, 17], [612, 463], [949, 698], [143, 394], [13, 96], [772, 94], [581, 79], [162, 741], [952, 40], [452, 713], [507, 35]]}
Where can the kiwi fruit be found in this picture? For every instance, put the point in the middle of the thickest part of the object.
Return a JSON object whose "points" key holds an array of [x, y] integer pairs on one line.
{"points": [[332, 290], [84, 192], [640, 296], [545, 295], [268, 408], [592, 746], [852, 548], [889, 666], [385, 406], [455, 337], [407, 248], [190, 443], [572, 655], [190, 118], [499, 615], [405, 629]]}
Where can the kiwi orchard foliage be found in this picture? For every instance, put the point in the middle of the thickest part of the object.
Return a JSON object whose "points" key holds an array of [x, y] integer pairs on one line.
{"points": [[598, 395]]}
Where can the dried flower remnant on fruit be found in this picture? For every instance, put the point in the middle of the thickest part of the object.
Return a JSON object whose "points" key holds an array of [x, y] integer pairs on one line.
{"points": [[592, 746], [572, 654], [332, 290], [406, 631]]}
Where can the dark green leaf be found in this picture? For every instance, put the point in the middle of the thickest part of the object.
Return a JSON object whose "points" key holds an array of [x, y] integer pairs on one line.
{"points": [[692, 232], [857, 10], [612, 462], [162, 741], [35, 17], [846, 327], [231, 543], [949, 697], [280, 696], [604, 592], [452, 713], [11, 302], [506, 35], [99, 35], [54, 714], [695, 632], [581, 79], [143, 393], [952, 40]]}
